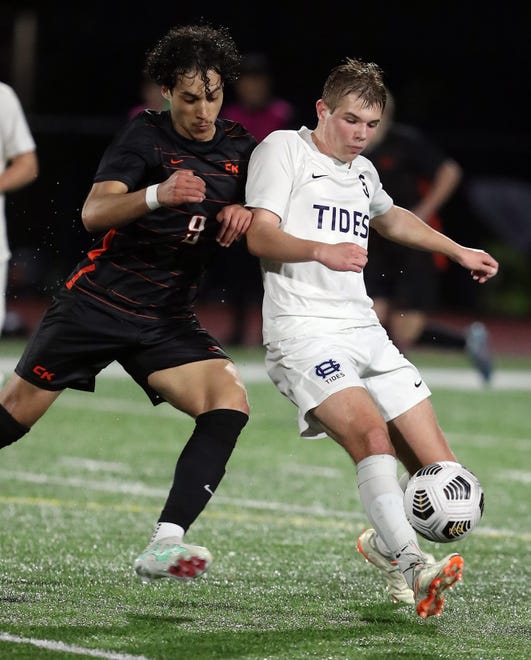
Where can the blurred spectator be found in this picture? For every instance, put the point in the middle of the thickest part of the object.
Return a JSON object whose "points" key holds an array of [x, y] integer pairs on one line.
{"points": [[19, 166], [235, 278], [255, 104], [404, 282], [151, 96]]}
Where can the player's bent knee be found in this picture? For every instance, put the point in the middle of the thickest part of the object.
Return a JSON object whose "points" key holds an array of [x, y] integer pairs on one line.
{"points": [[379, 442], [10, 429]]}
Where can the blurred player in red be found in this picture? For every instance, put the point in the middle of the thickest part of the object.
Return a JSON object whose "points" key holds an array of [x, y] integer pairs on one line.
{"points": [[255, 105], [151, 98]]}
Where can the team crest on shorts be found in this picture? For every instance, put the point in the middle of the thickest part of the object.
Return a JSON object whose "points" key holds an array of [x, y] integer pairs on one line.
{"points": [[329, 370]]}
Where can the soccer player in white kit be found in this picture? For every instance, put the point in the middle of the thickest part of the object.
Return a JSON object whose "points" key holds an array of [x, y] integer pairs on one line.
{"points": [[19, 166], [314, 198]]}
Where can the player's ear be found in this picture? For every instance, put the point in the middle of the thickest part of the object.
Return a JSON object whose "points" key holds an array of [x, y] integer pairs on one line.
{"points": [[166, 92], [321, 108]]}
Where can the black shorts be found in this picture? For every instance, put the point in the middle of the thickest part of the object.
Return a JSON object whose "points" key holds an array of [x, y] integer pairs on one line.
{"points": [[405, 277], [78, 337]]}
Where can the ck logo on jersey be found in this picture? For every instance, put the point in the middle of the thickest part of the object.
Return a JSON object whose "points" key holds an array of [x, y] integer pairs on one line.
{"points": [[42, 372], [232, 168], [329, 370]]}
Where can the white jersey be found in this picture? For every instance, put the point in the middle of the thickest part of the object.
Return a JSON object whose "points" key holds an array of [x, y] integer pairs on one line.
{"points": [[15, 139], [321, 199]]}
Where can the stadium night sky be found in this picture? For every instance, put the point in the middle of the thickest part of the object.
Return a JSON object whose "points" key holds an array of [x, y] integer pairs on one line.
{"points": [[450, 61], [460, 70]]}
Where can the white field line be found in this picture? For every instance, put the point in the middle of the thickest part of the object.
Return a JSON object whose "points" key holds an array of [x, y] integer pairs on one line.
{"points": [[134, 488], [93, 465], [314, 511], [120, 406], [455, 379], [68, 648], [84, 401]]}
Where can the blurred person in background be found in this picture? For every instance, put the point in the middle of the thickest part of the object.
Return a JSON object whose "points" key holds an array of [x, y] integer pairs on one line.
{"points": [[151, 98], [19, 166], [255, 105], [402, 282], [235, 278]]}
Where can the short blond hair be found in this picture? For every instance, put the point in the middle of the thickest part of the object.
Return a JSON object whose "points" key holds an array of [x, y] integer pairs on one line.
{"points": [[354, 76]]}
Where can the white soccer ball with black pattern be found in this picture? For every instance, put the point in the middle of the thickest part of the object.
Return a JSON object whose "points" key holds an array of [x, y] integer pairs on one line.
{"points": [[444, 501]]}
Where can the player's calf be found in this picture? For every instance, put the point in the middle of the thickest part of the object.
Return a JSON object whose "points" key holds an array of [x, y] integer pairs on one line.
{"points": [[10, 429]]}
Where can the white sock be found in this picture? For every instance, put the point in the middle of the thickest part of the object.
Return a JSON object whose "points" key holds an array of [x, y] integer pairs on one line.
{"points": [[403, 481], [164, 530], [383, 501]]}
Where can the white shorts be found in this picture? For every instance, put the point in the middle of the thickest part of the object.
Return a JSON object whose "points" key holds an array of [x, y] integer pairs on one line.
{"points": [[307, 370]]}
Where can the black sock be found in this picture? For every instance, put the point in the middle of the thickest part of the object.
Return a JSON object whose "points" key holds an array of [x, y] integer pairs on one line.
{"points": [[10, 429], [441, 336], [201, 465]]}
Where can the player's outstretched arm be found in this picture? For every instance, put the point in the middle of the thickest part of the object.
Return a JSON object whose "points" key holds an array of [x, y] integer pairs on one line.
{"points": [[401, 226], [266, 240], [481, 264]]}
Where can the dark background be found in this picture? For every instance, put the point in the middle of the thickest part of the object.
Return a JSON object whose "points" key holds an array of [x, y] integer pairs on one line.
{"points": [[459, 71]]}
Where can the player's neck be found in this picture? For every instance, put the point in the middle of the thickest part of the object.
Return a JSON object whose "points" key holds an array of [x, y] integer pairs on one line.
{"points": [[320, 144]]}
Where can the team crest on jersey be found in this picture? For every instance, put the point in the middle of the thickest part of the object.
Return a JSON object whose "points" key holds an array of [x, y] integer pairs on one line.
{"points": [[364, 185], [329, 370]]}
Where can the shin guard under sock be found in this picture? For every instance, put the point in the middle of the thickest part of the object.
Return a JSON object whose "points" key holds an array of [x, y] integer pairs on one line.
{"points": [[201, 465], [383, 501]]}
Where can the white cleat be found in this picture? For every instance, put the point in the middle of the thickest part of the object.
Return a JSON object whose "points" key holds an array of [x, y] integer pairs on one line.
{"points": [[171, 558], [396, 584]]}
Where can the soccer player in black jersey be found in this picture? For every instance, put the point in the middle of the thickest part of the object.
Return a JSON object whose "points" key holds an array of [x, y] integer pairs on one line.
{"points": [[167, 193]]}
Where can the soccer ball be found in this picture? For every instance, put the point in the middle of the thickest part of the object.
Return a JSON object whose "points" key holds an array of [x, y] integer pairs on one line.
{"points": [[443, 501]]}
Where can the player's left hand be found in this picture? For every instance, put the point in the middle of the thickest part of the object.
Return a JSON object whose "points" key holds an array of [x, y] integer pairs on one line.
{"points": [[235, 221], [481, 264]]}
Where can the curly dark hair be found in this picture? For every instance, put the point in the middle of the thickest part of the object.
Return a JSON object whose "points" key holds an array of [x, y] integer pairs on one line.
{"points": [[355, 76], [193, 48]]}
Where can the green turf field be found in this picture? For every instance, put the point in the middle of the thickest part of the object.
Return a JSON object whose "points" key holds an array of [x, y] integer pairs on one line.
{"points": [[80, 494]]}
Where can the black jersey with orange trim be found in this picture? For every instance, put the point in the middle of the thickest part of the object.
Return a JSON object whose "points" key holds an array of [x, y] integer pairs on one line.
{"points": [[152, 267], [405, 161]]}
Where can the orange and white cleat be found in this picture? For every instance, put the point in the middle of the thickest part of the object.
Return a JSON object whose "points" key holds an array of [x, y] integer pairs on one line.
{"points": [[430, 582]]}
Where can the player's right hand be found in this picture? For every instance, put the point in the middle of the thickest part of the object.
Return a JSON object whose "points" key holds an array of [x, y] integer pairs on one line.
{"points": [[343, 256], [182, 186]]}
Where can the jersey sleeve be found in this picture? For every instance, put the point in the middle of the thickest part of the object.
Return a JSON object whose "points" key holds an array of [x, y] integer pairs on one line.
{"points": [[270, 175], [125, 159], [16, 135]]}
